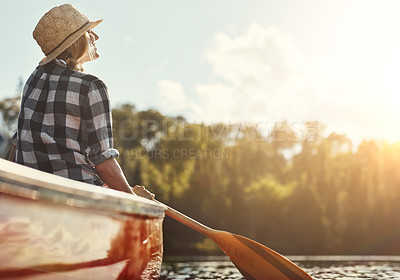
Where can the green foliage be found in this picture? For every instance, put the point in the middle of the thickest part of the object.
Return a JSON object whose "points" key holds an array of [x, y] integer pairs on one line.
{"points": [[293, 189], [9, 107]]}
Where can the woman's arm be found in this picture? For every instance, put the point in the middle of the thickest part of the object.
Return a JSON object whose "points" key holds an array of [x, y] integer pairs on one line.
{"points": [[111, 174]]}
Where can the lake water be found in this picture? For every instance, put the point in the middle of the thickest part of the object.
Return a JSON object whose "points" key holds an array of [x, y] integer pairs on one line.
{"points": [[319, 267]]}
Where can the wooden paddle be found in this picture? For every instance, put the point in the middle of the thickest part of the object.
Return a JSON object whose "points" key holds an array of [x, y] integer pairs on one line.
{"points": [[254, 261]]}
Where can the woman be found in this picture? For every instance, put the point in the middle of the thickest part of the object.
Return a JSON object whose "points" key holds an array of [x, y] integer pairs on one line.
{"points": [[64, 124]]}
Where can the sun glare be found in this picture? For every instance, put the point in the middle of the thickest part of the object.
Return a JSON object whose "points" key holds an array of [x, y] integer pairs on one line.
{"points": [[365, 37]]}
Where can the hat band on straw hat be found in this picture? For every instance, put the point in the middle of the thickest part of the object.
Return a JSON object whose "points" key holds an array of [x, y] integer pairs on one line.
{"points": [[80, 28]]}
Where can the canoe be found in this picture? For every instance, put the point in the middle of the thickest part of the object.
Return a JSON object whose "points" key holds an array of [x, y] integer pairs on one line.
{"points": [[56, 228]]}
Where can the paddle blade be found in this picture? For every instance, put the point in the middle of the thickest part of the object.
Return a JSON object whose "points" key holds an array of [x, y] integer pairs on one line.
{"points": [[255, 261]]}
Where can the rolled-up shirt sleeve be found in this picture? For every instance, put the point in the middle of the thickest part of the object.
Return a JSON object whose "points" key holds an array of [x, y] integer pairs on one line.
{"points": [[98, 123]]}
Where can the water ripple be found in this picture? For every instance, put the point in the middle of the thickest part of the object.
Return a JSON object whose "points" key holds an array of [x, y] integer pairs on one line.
{"points": [[319, 267]]}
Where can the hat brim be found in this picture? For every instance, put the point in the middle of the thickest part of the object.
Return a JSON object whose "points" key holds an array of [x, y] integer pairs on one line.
{"points": [[69, 41]]}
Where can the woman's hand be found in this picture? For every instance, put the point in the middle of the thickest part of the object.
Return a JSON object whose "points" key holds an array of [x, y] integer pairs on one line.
{"points": [[143, 192]]}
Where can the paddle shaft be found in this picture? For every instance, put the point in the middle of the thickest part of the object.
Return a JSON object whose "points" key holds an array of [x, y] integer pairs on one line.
{"points": [[176, 215]]}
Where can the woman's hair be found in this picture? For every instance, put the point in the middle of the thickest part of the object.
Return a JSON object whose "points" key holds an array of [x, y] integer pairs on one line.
{"points": [[75, 52]]}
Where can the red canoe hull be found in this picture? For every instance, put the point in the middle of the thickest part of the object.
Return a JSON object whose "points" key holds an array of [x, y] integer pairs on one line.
{"points": [[45, 237]]}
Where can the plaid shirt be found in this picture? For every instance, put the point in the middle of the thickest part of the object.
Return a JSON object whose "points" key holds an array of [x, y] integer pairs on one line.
{"points": [[64, 124]]}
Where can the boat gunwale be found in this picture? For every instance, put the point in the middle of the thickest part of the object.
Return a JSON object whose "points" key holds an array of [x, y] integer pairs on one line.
{"points": [[29, 183]]}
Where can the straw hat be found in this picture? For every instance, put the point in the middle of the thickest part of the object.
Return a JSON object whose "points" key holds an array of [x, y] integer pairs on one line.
{"points": [[59, 28]]}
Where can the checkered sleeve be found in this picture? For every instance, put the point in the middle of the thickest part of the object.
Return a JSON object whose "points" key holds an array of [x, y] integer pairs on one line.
{"points": [[98, 122]]}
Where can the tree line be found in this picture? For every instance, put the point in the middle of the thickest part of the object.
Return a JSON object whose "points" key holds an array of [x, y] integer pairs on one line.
{"points": [[285, 185], [288, 187]]}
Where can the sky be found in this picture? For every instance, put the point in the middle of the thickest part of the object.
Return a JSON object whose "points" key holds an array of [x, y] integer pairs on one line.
{"points": [[236, 61]]}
